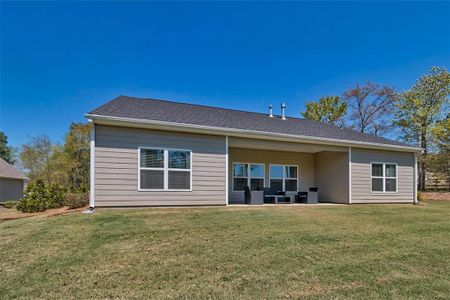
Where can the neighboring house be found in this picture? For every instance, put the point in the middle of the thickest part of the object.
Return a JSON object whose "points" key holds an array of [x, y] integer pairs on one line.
{"points": [[148, 152], [12, 182]]}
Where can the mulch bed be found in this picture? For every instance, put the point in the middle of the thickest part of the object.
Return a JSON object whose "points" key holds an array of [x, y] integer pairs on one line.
{"points": [[13, 214], [442, 196]]}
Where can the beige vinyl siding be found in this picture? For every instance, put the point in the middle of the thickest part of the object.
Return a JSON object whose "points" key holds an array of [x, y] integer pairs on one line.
{"points": [[361, 176], [116, 167], [331, 176], [304, 161]]}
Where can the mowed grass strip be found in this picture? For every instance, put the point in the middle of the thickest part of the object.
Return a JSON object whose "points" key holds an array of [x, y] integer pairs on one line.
{"points": [[359, 251]]}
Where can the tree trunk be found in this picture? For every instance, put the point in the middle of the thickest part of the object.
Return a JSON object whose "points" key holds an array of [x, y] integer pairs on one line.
{"points": [[423, 161]]}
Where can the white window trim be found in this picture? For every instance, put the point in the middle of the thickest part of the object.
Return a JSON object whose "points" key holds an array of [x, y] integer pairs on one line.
{"points": [[165, 169], [383, 177], [283, 179], [249, 177]]}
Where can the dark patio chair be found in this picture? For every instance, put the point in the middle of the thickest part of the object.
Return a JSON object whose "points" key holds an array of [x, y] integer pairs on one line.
{"points": [[247, 195], [269, 199], [301, 197], [313, 196]]}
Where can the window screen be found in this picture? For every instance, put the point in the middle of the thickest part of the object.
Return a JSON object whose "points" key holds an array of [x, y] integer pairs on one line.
{"points": [[164, 169], [384, 177]]}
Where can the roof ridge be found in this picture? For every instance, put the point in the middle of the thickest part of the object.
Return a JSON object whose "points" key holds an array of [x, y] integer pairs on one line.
{"points": [[209, 106], [255, 113]]}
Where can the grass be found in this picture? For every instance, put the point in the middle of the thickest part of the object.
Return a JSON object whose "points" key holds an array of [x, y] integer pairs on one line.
{"points": [[359, 251]]}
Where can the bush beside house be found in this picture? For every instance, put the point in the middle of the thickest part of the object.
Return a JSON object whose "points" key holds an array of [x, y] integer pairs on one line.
{"points": [[76, 200], [39, 197]]}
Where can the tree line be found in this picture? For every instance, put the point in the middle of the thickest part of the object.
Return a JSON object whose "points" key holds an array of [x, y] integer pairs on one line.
{"points": [[419, 116], [64, 164]]}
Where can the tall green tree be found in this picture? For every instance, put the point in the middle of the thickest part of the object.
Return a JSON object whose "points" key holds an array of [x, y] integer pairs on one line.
{"points": [[66, 164], [35, 158], [77, 152], [329, 109], [370, 107], [419, 111], [440, 162], [6, 151]]}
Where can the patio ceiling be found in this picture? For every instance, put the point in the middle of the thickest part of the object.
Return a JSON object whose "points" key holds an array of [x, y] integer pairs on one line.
{"points": [[236, 142]]}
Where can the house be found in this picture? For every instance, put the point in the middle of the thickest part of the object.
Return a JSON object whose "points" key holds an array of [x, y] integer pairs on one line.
{"points": [[149, 152], [12, 182]]}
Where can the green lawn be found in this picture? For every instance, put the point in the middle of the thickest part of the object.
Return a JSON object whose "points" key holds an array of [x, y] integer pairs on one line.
{"points": [[372, 251]]}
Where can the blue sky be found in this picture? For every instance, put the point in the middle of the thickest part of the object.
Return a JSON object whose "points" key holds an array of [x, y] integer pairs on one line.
{"points": [[60, 60]]}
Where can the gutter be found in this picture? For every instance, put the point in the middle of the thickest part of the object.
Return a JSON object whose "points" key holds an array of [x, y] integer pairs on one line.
{"points": [[213, 130]]}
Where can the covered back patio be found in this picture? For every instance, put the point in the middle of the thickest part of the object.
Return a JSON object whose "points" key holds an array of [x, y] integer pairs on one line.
{"points": [[275, 172]]}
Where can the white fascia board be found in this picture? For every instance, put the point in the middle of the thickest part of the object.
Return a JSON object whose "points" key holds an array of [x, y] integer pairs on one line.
{"points": [[164, 125]]}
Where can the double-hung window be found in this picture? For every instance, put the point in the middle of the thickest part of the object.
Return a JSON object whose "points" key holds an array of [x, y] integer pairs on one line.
{"points": [[284, 178], [247, 174], [164, 169], [384, 177]]}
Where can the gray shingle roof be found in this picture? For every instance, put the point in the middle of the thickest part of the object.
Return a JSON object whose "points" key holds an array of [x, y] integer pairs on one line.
{"points": [[8, 171], [168, 111]]}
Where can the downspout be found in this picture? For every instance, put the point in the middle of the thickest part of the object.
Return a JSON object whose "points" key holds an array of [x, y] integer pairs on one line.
{"points": [[415, 200], [350, 175], [226, 170], [92, 170]]}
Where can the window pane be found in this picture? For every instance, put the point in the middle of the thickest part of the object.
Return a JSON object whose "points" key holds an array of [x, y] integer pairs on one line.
{"points": [[179, 180], [240, 183], [152, 158], [377, 184], [276, 184], [391, 185], [276, 171], [291, 185], [256, 184], [391, 171], [377, 170], [179, 159], [291, 172], [256, 171], [152, 179], [240, 170]]}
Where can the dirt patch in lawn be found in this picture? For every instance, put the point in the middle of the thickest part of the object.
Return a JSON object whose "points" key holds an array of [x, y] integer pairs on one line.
{"points": [[13, 214], [441, 196]]}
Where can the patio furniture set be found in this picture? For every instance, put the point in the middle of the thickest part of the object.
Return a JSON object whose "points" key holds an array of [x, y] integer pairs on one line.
{"points": [[271, 196]]}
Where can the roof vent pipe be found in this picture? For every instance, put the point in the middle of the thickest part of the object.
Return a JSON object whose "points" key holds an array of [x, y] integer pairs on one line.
{"points": [[270, 111], [283, 106]]}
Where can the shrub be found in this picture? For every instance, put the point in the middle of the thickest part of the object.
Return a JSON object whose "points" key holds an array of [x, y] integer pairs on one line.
{"points": [[420, 196], [38, 197], [76, 200], [56, 195], [34, 198], [10, 204]]}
